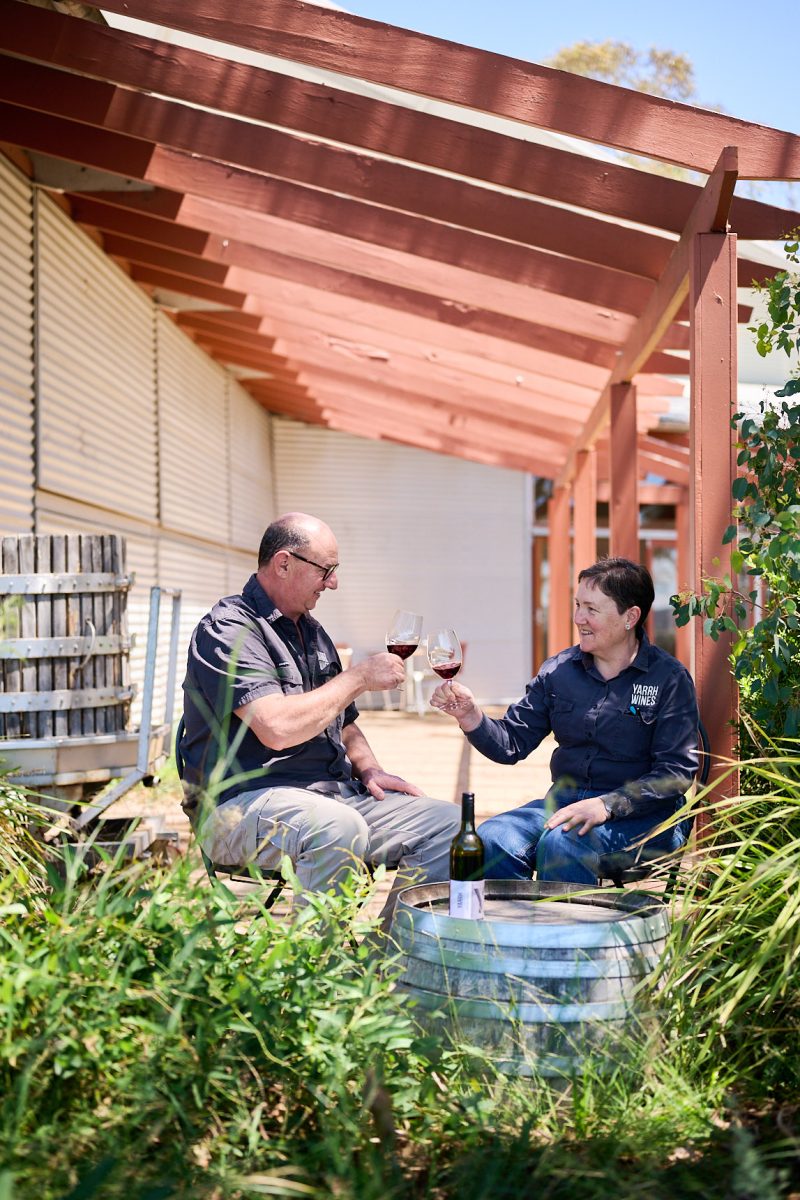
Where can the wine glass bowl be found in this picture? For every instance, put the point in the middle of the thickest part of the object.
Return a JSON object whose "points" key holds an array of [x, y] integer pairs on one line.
{"points": [[402, 637], [444, 653]]}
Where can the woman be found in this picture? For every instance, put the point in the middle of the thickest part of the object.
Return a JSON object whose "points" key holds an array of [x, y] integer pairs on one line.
{"points": [[624, 715]]}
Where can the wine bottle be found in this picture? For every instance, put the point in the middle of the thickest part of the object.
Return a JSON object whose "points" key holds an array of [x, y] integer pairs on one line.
{"points": [[466, 865]]}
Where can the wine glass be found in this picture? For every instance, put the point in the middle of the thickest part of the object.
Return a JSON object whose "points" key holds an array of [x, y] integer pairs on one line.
{"points": [[444, 653], [402, 637]]}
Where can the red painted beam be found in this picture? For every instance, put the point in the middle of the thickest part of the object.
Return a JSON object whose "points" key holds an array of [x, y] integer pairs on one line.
{"points": [[450, 284], [270, 153], [122, 57], [536, 95]]}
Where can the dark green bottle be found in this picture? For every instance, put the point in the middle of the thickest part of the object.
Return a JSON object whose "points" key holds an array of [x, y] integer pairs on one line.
{"points": [[466, 865]]}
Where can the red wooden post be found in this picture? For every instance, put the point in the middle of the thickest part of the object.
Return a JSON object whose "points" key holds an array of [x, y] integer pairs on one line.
{"points": [[624, 473], [559, 622], [713, 399], [584, 513], [683, 633]]}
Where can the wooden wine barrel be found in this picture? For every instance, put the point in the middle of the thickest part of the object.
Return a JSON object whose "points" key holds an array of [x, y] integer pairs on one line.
{"points": [[64, 642], [548, 976]]}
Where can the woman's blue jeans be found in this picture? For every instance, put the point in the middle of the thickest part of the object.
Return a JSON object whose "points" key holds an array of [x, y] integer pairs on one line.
{"points": [[516, 842]]}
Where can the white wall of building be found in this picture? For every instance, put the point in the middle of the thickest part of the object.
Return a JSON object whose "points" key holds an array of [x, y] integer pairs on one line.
{"points": [[440, 536]]}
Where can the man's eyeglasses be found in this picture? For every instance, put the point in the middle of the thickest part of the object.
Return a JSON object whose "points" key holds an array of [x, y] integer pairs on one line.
{"points": [[326, 571]]}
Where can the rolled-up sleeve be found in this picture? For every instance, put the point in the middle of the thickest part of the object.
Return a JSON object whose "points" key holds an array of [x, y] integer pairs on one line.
{"points": [[231, 664]]}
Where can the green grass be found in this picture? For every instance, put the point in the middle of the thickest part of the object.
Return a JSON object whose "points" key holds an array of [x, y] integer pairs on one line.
{"points": [[157, 1039]]}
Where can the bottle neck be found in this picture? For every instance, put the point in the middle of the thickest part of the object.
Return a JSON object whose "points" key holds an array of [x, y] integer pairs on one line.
{"points": [[468, 810]]}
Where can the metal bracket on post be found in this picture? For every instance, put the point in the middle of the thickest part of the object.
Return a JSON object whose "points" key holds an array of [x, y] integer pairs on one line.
{"points": [[138, 773]]}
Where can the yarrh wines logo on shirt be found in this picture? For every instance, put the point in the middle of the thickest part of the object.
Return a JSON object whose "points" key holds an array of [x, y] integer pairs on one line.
{"points": [[644, 695]]}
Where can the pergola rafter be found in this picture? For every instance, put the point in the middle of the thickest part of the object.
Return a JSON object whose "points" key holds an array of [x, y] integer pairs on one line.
{"points": [[508, 294]]}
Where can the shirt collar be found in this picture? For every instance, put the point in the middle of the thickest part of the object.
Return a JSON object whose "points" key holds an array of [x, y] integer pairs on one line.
{"points": [[640, 663], [266, 607]]}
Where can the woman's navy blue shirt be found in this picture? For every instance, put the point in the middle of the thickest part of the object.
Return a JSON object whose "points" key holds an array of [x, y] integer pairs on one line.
{"points": [[633, 737]]}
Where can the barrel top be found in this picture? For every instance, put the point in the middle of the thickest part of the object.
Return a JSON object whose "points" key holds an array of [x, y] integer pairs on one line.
{"points": [[566, 914], [545, 912]]}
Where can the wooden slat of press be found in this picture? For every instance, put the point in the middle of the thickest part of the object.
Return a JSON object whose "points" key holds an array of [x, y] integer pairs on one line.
{"points": [[116, 606], [86, 677], [44, 628], [103, 717], [12, 675], [122, 673], [60, 681], [74, 628], [27, 628]]}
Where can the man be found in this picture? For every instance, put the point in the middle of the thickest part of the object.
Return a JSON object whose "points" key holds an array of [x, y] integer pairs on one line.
{"points": [[271, 733]]}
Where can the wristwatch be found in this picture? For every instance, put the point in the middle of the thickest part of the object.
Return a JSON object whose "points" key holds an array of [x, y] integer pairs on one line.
{"points": [[608, 808]]}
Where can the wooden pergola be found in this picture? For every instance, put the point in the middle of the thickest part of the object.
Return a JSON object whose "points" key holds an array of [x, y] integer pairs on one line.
{"points": [[431, 260]]}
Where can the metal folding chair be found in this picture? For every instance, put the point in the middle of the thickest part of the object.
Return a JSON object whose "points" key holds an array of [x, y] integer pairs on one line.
{"points": [[249, 872]]}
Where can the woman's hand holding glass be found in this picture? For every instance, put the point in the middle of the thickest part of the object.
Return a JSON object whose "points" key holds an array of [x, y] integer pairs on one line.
{"points": [[458, 702]]}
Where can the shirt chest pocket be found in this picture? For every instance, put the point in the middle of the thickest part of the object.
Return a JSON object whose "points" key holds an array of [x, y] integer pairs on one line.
{"points": [[565, 722], [631, 733]]}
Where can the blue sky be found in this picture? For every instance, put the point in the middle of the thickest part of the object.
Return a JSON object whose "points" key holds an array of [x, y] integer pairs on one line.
{"points": [[740, 62]]}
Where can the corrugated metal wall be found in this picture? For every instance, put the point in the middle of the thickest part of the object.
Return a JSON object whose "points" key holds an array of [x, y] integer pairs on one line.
{"points": [[193, 438], [440, 536], [252, 492], [16, 352], [96, 370]]}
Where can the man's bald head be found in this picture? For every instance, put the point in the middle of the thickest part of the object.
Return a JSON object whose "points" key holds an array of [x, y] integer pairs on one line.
{"points": [[292, 531]]}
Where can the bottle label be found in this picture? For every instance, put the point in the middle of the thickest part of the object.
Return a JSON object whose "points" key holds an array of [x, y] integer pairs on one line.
{"points": [[466, 899]]}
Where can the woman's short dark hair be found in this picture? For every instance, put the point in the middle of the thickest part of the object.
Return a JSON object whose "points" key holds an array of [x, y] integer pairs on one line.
{"points": [[627, 583], [281, 535]]}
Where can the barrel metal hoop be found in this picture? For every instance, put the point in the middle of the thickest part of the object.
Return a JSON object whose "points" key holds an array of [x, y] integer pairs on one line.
{"points": [[529, 1014], [631, 931], [63, 647], [58, 701], [633, 965], [64, 583]]}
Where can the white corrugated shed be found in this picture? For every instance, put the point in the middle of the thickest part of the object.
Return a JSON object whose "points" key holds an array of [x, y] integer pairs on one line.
{"points": [[252, 491], [440, 536], [194, 440], [97, 440], [16, 352]]}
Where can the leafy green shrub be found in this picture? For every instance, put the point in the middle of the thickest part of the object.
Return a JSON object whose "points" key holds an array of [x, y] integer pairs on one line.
{"points": [[163, 1039]]}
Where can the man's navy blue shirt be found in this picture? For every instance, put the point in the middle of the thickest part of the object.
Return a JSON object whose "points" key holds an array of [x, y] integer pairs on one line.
{"points": [[633, 737], [243, 649]]}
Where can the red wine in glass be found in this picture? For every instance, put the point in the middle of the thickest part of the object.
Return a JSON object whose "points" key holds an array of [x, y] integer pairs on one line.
{"points": [[402, 637], [444, 653], [402, 649], [447, 670]]}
